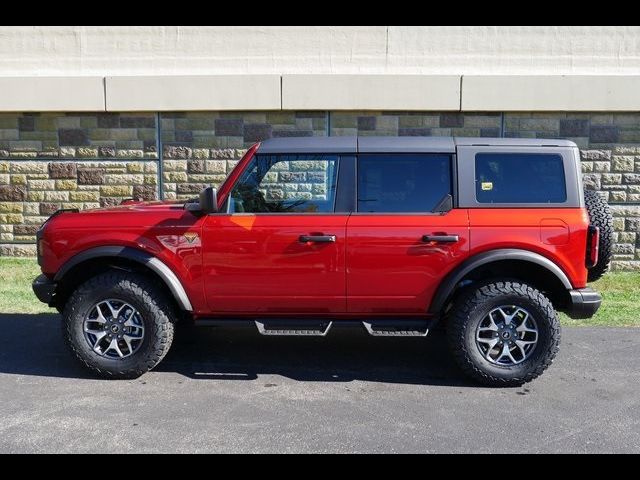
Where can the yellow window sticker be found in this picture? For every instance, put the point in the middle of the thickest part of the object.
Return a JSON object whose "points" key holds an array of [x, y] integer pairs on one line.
{"points": [[487, 186]]}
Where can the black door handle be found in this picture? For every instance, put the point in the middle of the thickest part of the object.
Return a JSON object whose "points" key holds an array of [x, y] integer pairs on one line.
{"points": [[317, 238], [440, 238]]}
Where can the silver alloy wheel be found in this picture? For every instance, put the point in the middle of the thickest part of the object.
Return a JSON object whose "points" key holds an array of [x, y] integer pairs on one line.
{"points": [[507, 336], [114, 329]]}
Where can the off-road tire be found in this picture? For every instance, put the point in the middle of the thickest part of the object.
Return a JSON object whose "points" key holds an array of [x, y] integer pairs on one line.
{"points": [[138, 291], [600, 216], [474, 305]]}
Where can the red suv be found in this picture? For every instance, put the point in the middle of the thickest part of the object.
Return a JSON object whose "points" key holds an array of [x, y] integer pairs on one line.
{"points": [[488, 236]]}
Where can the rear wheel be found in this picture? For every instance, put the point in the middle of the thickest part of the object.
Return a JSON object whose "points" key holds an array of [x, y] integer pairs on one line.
{"points": [[118, 325], [504, 333], [600, 216]]}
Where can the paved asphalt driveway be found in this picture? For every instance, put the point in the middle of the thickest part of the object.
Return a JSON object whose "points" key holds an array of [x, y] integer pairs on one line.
{"points": [[234, 391]]}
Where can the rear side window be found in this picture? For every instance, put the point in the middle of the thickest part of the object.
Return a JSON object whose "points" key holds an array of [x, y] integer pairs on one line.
{"points": [[402, 183], [520, 178]]}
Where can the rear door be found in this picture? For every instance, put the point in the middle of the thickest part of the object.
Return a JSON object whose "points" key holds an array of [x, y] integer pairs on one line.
{"points": [[398, 247]]}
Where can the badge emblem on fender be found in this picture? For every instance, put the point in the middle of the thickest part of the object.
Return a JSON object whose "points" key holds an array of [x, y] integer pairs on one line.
{"points": [[191, 236]]}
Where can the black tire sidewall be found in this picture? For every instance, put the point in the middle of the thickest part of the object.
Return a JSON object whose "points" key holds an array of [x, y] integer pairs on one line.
{"points": [[600, 216], [481, 310], [471, 308], [80, 305]]}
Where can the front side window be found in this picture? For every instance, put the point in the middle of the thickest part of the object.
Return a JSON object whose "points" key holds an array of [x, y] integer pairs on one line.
{"points": [[520, 178], [286, 184], [402, 183]]}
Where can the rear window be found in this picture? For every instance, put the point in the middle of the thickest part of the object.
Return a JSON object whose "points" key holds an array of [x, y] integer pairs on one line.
{"points": [[520, 178]]}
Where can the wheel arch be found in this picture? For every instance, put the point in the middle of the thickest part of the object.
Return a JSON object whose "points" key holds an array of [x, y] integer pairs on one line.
{"points": [[541, 272], [121, 257]]}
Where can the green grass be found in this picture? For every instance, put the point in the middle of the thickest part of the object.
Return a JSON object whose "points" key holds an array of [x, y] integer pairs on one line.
{"points": [[16, 296], [620, 302], [620, 291]]}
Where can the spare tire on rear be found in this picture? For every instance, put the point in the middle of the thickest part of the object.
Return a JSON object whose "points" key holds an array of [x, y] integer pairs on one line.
{"points": [[600, 216]]}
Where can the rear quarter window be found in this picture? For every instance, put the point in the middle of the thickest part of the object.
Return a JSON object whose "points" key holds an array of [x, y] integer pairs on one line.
{"points": [[520, 178]]}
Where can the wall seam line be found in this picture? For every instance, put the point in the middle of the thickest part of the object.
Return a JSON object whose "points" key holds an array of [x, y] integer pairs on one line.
{"points": [[104, 90], [386, 53]]}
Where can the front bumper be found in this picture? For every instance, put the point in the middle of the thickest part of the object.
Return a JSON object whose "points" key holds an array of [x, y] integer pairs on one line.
{"points": [[584, 303], [44, 289]]}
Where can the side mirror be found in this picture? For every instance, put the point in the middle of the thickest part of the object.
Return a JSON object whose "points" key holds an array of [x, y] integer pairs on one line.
{"points": [[207, 202]]}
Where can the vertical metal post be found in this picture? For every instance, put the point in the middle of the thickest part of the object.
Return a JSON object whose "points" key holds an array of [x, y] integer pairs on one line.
{"points": [[160, 159]]}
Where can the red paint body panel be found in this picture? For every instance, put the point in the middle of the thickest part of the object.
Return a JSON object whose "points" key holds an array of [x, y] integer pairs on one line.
{"points": [[390, 270], [157, 228], [529, 229], [256, 263]]}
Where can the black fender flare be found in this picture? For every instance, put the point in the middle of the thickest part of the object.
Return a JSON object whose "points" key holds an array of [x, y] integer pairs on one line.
{"points": [[448, 285], [146, 259]]}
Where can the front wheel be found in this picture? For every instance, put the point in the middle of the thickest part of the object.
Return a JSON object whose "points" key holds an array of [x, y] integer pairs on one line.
{"points": [[504, 333], [118, 324]]}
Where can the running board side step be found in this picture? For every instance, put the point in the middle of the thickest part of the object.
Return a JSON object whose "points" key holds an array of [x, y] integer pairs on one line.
{"points": [[301, 327], [300, 330], [392, 328]]}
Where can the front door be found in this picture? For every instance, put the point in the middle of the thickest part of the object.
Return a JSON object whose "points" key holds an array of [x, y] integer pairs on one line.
{"points": [[280, 247], [399, 246]]}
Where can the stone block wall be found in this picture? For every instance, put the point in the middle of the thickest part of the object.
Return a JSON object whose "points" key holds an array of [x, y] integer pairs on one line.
{"points": [[416, 124], [201, 148], [80, 135], [222, 130], [70, 160], [52, 161]]}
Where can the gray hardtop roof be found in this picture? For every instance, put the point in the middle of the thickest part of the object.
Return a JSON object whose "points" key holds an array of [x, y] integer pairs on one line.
{"points": [[309, 145], [513, 142], [302, 145], [406, 145]]}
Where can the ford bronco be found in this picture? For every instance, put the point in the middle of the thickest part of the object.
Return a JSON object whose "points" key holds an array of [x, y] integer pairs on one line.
{"points": [[489, 237]]}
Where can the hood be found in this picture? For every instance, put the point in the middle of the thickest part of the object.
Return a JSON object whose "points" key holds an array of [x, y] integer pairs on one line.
{"points": [[128, 214], [139, 206]]}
